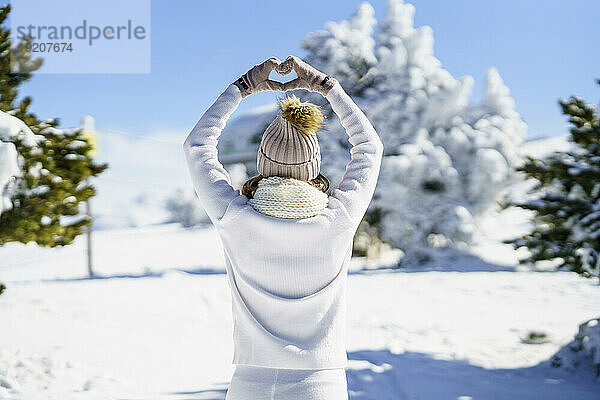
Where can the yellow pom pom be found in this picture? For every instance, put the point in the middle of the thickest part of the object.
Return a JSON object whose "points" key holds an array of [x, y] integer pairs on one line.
{"points": [[304, 116]]}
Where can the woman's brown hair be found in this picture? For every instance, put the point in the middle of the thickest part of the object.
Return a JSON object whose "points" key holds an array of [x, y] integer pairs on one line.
{"points": [[249, 188]]}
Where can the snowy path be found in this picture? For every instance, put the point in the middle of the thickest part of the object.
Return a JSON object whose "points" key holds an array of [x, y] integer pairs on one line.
{"points": [[429, 335]]}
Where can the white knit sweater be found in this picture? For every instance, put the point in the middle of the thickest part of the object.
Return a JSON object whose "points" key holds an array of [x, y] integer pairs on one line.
{"points": [[287, 276]]}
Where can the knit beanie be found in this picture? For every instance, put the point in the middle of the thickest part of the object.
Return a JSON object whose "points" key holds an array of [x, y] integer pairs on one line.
{"points": [[289, 146]]}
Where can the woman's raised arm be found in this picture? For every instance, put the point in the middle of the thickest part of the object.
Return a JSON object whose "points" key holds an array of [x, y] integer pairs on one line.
{"points": [[211, 181], [358, 184], [356, 189]]}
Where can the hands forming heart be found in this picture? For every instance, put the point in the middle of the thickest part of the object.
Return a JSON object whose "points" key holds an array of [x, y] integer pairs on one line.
{"points": [[309, 78]]}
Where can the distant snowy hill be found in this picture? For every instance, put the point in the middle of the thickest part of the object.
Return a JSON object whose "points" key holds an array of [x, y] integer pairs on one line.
{"points": [[541, 147]]}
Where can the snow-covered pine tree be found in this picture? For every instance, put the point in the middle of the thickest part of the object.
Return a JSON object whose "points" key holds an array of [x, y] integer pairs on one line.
{"points": [[345, 49], [567, 211], [446, 161], [55, 164]]}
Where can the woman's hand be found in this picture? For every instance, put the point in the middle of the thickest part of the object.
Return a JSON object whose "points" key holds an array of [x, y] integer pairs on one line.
{"points": [[257, 78], [308, 77]]}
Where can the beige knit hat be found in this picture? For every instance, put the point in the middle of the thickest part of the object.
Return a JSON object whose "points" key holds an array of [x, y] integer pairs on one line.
{"points": [[289, 146]]}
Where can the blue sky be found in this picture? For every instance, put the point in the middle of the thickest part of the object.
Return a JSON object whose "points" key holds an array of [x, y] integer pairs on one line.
{"points": [[544, 50]]}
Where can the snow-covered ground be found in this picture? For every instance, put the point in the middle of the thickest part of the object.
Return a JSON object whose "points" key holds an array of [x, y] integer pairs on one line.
{"points": [[156, 323]]}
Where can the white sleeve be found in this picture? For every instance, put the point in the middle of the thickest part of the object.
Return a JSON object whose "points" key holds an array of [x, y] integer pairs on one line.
{"points": [[211, 181], [356, 189]]}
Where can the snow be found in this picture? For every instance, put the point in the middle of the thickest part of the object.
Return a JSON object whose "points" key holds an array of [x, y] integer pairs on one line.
{"points": [[9, 169], [143, 173], [496, 95], [164, 333], [583, 351], [414, 102], [542, 147], [590, 260], [346, 40], [11, 126], [156, 321], [129, 251]]}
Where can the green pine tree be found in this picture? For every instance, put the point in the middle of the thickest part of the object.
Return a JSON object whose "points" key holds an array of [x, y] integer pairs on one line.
{"points": [[567, 210], [46, 204]]}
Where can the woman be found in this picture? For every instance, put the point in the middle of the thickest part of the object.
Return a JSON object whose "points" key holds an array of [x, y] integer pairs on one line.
{"points": [[287, 244]]}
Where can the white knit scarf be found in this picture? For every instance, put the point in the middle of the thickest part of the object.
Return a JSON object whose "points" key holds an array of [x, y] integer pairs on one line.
{"points": [[288, 198]]}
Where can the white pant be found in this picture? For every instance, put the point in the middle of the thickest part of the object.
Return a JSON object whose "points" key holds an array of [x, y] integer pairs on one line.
{"points": [[260, 383]]}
